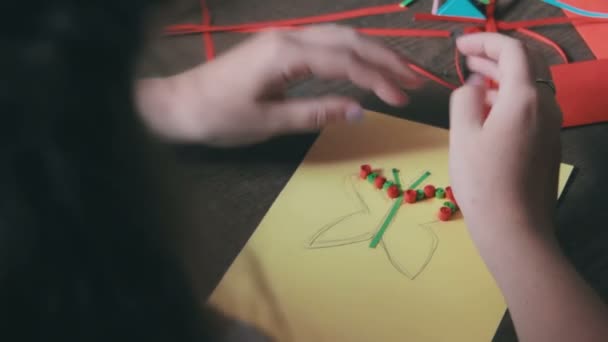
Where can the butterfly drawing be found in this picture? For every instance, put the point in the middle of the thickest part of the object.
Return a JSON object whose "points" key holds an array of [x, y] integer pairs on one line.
{"points": [[408, 245]]}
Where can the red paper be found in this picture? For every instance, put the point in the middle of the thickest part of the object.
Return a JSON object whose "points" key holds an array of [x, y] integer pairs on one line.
{"points": [[593, 34], [581, 91]]}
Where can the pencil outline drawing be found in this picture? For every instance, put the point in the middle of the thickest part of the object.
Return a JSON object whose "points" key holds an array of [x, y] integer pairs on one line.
{"points": [[358, 236]]}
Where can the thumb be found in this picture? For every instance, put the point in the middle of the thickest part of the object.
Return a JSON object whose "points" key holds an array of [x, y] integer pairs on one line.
{"points": [[468, 106], [311, 114]]}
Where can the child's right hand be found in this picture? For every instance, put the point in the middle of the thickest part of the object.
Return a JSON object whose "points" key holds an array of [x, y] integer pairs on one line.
{"points": [[504, 169]]}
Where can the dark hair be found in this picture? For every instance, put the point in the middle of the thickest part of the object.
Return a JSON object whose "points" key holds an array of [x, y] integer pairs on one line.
{"points": [[83, 255]]}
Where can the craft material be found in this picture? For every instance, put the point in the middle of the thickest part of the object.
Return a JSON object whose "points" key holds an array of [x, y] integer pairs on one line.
{"points": [[593, 30], [460, 8], [420, 195], [440, 193], [411, 196], [581, 89], [595, 34], [397, 204], [393, 191], [396, 177], [376, 240], [429, 191], [576, 10], [307, 273], [372, 177], [387, 185], [450, 205], [379, 182], [445, 213]]}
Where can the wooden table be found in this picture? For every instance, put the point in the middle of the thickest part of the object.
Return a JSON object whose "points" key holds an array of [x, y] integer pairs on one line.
{"points": [[246, 181]]}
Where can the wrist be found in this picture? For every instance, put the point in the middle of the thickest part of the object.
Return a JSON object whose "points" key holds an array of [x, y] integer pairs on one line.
{"points": [[488, 226]]}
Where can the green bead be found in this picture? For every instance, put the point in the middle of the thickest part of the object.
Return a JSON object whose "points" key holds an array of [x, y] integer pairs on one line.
{"points": [[450, 205], [387, 185], [372, 177], [420, 195], [440, 193]]}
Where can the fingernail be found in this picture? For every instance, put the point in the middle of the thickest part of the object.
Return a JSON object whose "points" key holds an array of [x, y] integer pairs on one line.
{"points": [[475, 80], [354, 114]]}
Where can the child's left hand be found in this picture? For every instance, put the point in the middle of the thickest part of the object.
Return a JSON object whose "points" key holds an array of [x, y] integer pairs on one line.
{"points": [[239, 98]]}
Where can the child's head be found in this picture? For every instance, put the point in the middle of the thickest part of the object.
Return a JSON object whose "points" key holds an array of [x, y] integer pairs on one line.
{"points": [[82, 249]]}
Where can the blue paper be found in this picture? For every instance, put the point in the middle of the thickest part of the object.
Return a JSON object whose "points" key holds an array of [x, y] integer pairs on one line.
{"points": [[460, 8], [576, 10]]}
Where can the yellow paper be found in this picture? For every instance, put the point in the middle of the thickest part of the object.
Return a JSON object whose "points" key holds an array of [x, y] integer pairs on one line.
{"points": [[308, 273]]}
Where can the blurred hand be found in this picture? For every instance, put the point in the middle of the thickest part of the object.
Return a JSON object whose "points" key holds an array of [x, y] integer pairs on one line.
{"points": [[239, 98], [504, 167]]}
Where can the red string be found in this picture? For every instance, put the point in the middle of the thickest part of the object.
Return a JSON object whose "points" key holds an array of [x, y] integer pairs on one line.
{"points": [[432, 76], [324, 18], [490, 25], [384, 32], [207, 39], [490, 19], [544, 40], [405, 32], [549, 21]]}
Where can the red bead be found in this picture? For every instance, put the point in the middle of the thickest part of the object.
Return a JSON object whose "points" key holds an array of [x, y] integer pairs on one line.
{"points": [[449, 194], [429, 191], [393, 191], [410, 196], [363, 174], [379, 182], [367, 168], [445, 213]]}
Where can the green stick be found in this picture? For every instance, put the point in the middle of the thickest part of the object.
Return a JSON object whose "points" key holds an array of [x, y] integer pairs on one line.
{"points": [[395, 207]]}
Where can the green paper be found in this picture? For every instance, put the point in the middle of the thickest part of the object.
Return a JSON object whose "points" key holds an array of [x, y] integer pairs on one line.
{"points": [[420, 180], [396, 176], [386, 222]]}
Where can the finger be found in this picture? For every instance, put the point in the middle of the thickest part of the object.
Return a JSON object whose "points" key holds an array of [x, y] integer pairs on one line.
{"points": [[484, 66], [312, 114], [491, 96], [508, 53], [344, 64], [369, 50], [467, 107]]}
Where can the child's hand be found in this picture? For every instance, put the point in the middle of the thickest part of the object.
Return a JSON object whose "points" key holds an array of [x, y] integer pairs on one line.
{"points": [[239, 98], [504, 169]]}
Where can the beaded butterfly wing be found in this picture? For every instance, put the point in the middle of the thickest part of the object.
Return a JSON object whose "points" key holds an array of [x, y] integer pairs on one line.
{"points": [[409, 246]]}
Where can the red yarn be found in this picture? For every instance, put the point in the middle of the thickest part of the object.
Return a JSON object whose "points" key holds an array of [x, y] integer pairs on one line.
{"points": [[207, 39], [317, 19], [490, 24], [490, 20], [364, 173], [544, 40]]}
